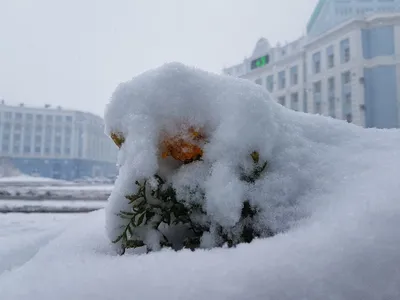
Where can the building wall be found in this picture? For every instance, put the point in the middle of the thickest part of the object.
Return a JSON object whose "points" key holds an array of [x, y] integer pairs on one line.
{"points": [[67, 169], [330, 13], [345, 100], [381, 97], [370, 73], [44, 140]]}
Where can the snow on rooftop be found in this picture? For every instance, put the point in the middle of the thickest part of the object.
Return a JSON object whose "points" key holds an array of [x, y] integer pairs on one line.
{"points": [[331, 192]]}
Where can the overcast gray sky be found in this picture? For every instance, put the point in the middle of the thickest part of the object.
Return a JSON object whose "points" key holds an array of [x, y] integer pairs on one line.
{"points": [[73, 53]]}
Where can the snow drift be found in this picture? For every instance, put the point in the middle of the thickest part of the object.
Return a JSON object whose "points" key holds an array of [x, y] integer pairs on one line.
{"points": [[331, 191]]}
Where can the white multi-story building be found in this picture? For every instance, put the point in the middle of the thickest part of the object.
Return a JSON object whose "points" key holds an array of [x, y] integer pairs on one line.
{"points": [[57, 143], [346, 67]]}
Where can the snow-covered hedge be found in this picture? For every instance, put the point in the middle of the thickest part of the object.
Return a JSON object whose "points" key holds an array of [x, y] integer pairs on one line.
{"points": [[194, 159]]}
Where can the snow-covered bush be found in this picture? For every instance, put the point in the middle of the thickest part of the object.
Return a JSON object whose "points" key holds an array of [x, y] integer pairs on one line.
{"points": [[192, 160], [196, 162]]}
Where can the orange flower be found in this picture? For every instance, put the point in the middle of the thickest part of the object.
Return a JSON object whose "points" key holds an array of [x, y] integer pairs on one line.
{"points": [[118, 138], [184, 148]]}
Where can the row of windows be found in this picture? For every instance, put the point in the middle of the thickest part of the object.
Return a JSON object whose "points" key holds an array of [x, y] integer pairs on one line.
{"points": [[316, 58], [27, 140], [281, 77], [317, 104], [364, 10], [294, 101], [16, 150], [331, 96], [330, 56], [8, 115], [7, 126]]}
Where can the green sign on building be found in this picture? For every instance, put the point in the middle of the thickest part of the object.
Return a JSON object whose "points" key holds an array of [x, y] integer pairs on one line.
{"points": [[260, 62]]}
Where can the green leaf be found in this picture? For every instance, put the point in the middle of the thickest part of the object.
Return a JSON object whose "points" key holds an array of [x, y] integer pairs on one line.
{"points": [[135, 244], [141, 218], [149, 215], [130, 229]]}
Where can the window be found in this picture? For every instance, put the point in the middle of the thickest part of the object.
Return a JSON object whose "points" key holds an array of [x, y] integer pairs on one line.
{"points": [[29, 117], [5, 148], [331, 84], [58, 140], [27, 149], [346, 77], [282, 100], [347, 107], [330, 56], [38, 139], [18, 116], [7, 126], [67, 151], [270, 83], [49, 118], [17, 138], [294, 76], [316, 58], [39, 118], [345, 51], [17, 127], [47, 150], [38, 128], [317, 87], [58, 118], [348, 98], [57, 150], [317, 108], [8, 115], [37, 149], [49, 129], [68, 118], [331, 97], [331, 106], [294, 101], [317, 97], [16, 149], [282, 80], [305, 104]]}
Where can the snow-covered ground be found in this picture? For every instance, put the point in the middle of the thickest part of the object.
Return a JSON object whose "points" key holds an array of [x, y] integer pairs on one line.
{"points": [[26, 179], [45, 191], [23, 235], [332, 188], [49, 205]]}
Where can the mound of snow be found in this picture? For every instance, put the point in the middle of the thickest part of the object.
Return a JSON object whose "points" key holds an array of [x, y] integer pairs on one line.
{"points": [[237, 117], [332, 192]]}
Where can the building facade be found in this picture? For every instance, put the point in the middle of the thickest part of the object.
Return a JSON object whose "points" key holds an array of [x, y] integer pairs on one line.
{"points": [[56, 143], [350, 70]]}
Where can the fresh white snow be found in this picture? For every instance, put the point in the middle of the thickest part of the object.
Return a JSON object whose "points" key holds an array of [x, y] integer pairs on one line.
{"points": [[332, 190], [29, 179], [23, 235], [83, 188], [51, 203]]}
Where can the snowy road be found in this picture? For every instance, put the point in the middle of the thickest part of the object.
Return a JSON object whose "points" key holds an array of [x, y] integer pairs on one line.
{"points": [[22, 235]]}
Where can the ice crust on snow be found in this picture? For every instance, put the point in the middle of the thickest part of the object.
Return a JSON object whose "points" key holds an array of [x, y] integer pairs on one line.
{"points": [[332, 189]]}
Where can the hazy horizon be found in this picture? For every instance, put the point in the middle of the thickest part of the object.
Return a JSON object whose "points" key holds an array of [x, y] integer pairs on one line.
{"points": [[73, 54]]}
